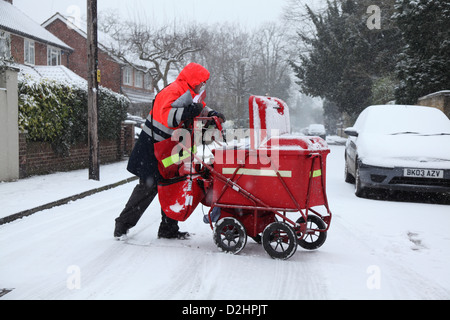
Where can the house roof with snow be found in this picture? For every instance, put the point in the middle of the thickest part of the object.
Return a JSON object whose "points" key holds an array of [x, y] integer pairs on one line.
{"points": [[138, 97], [105, 41], [14, 21]]}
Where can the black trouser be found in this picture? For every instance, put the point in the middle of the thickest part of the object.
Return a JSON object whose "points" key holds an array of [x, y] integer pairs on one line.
{"points": [[139, 201]]}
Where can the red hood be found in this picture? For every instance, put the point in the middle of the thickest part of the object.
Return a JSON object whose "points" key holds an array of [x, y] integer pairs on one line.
{"points": [[194, 74]]}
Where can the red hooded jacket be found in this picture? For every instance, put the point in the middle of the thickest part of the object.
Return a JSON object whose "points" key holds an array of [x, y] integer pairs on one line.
{"points": [[155, 144], [171, 102]]}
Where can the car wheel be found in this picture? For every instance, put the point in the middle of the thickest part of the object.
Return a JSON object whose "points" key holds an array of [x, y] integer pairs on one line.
{"points": [[348, 177], [359, 190]]}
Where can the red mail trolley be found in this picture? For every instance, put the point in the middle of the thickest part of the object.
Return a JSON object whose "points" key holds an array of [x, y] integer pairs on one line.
{"points": [[273, 191]]}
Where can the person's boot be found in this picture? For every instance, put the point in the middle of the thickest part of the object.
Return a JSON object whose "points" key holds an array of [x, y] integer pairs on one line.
{"points": [[174, 235], [120, 231], [169, 229]]}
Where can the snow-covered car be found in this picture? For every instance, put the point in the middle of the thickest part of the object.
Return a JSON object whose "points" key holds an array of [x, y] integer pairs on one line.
{"points": [[398, 147], [317, 130]]}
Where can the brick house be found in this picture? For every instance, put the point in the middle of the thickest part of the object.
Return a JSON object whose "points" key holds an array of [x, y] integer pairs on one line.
{"points": [[39, 54], [26, 42], [132, 81]]}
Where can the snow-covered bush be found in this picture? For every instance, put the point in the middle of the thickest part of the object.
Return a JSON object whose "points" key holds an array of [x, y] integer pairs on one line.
{"points": [[57, 112]]}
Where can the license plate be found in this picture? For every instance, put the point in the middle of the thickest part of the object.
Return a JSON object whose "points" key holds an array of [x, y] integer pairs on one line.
{"points": [[424, 173]]}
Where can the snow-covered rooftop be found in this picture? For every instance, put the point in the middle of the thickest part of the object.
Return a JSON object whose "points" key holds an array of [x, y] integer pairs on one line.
{"points": [[15, 21], [105, 41], [138, 97]]}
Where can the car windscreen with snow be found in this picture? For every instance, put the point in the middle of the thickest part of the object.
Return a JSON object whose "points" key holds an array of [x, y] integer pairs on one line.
{"points": [[317, 130], [393, 119]]}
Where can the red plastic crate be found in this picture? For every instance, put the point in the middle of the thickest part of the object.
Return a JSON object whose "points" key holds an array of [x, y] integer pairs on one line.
{"points": [[292, 157]]}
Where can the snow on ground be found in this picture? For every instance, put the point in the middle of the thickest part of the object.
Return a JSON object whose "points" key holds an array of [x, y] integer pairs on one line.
{"points": [[36, 191], [375, 250]]}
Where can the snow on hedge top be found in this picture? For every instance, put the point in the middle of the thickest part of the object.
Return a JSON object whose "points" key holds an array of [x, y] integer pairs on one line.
{"points": [[15, 21], [58, 74]]}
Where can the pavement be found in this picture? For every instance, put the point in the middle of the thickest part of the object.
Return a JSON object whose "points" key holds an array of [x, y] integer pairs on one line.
{"points": [[25, 197]]}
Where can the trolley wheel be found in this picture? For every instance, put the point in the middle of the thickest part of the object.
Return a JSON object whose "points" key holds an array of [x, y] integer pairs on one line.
{"points": [[313, 239], [279, 240], [230, 235]]}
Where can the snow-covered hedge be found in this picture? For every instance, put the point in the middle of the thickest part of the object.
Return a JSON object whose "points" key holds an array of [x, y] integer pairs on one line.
{"points": [[57, 112]]}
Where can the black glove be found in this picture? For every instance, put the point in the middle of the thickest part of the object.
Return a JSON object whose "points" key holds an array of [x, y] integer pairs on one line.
{"points": [[214, 113], [192, 111]]}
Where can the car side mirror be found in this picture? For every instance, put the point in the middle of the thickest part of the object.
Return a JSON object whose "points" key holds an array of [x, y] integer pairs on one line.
{"points": [[351, 132]]}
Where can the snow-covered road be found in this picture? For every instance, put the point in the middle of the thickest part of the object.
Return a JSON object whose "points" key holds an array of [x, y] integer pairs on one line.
{"points": [[375, 250]]}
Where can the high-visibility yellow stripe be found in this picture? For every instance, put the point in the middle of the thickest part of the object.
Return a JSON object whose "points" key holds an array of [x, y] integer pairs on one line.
{"points": [[173, 159], [258, 172], [317, 173]]}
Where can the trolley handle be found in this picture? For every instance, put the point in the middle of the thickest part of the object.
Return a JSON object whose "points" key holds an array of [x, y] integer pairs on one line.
{"points": [[216, 121]]}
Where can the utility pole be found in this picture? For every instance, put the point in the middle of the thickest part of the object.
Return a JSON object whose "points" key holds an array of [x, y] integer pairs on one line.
{"points": [[92, 44]]}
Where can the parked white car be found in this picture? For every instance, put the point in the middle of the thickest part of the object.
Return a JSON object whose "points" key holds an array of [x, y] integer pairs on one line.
{"points": [[398, 147], [317, 130]]}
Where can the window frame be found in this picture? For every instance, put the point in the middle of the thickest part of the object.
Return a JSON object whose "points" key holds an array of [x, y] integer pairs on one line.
{"points": [[51, 52], [148, 81], [138, 79], [127, 76], [29, 52], [5, 45]]}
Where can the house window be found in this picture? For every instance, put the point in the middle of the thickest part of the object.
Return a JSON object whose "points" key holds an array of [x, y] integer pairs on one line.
{"points": [[138, 79], [127, 76], [148, 82], [53, 56], [29, 55], [5, 45]]}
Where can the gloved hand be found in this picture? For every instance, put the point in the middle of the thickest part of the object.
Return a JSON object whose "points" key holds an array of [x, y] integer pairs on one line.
{"points": [[192, 111], [214, 113]]}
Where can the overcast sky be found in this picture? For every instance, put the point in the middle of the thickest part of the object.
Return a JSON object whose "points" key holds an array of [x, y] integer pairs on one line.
{"points": [[249, 13]]}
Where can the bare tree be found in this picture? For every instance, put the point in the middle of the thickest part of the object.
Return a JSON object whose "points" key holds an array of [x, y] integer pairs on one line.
{"points": [[271, 69], [164, 47], [241, 62]]}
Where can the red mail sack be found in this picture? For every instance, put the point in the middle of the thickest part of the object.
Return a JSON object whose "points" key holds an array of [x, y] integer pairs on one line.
{"points": [[179, 197]]}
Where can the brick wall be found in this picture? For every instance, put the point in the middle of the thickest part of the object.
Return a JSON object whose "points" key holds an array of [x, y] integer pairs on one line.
{"points": [[40, 58], [439, 100], [17, 48], [17, 51], [37, 158]]}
